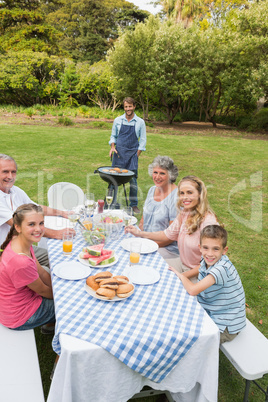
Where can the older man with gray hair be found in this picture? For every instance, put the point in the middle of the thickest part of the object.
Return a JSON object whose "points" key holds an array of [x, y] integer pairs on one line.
{"points": [[11, 197]]}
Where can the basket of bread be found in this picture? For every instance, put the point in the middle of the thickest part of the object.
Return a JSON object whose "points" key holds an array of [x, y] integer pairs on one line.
{"points": [[105, 286]]}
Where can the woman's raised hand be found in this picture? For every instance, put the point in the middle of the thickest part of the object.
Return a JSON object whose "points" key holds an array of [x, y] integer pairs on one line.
{"points": [[133, 230]]}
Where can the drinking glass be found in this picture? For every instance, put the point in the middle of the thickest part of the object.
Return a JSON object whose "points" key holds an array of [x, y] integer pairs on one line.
{"points": [[87, 223], [67, 244], [100, 206], [73, 216], [134, 254], [127, 216], [109, 198], [90, 202]]}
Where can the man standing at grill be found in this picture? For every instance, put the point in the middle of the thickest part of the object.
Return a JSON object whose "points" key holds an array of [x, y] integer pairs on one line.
{"points": [[127, 141]]}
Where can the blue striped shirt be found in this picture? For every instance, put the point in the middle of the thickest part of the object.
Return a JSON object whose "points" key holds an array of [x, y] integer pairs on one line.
{"points": [[225, 300]]}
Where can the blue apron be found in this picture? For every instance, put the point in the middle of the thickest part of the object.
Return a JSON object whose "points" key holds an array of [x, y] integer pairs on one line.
{"points": [[127, 146]]}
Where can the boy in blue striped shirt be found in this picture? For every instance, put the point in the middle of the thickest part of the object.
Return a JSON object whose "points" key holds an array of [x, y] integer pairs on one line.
{"points": [[219, 288]]}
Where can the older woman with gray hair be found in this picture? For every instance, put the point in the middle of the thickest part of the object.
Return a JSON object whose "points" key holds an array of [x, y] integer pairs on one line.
{"points": [[160, 205]]}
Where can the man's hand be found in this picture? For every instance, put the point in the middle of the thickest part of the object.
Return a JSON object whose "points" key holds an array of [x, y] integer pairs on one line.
{"points": [[112, 150], [57, 234], [64, 214]]}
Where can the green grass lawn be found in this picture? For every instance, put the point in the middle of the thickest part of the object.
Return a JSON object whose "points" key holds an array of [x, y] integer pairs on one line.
{"points": [[234, 170]]}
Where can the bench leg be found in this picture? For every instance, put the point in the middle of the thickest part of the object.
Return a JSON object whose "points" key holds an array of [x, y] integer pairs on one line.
{"points": [[263, 390], [246, 391]]}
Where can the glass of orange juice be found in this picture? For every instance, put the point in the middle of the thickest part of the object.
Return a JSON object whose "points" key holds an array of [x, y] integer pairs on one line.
{"points": [[67, 244], [135, 251], [87, 222]]}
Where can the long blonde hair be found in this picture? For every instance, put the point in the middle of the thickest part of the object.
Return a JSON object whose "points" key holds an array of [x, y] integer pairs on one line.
{"points": [[197, 215], [18, 218]]}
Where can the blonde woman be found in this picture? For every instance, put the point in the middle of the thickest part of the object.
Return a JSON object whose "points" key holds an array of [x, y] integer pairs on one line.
{"points": [[194, 214]]}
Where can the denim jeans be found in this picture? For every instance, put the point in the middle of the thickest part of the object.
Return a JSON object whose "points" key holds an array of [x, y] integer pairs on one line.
{"points": [[133, 190], [44, 314]]}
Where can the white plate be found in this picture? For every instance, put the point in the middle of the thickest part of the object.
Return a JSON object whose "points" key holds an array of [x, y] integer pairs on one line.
{"points": [[71, 270], [147, 246], [142, 275], [92, 293], [84, 261], [56, 222]]}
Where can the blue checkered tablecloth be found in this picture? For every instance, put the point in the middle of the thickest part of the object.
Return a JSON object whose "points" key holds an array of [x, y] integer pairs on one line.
{"points": [[150, 331]]}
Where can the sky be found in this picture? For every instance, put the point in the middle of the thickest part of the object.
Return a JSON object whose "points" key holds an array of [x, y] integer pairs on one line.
{"points": [[145, 5]]}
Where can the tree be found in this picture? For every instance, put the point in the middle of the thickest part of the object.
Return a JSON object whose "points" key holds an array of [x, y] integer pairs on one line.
{"points": [[174, 74], [218, 10], [90, 28], [29, 77], [129, 63], [187, 11], [23, 27], [97, 83], [183, 11]]}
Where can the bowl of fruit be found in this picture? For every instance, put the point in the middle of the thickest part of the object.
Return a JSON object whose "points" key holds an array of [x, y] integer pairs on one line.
{"points": [[111, 222]]}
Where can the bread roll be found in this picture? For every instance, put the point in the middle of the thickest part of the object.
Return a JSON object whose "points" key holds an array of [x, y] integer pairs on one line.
{"points": [[125, 290], [110, 283], [121, 279], [106, 293], [91, 283], [103, 275]]}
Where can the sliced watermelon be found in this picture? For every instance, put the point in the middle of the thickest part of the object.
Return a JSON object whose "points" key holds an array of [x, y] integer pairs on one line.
{"points": [[107, 261], [85, 255], [107, 252], [99, 259], [95, 250]]}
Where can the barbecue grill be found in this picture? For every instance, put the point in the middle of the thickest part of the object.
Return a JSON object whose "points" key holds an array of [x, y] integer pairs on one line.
{"points": [[115, 179]]}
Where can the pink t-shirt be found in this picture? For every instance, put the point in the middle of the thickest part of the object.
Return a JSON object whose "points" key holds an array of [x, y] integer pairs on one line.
{"points": [[188, 244], [17, 302]]}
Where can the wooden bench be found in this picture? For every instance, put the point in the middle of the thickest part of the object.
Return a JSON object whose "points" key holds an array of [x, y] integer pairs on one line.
{"points": [[248, 353], [20, 378]]}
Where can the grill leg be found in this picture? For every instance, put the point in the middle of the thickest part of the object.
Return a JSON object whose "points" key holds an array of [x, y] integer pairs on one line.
{"points": [[125, 195]]}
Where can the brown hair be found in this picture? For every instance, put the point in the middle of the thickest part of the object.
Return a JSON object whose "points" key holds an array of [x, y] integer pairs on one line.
{"points": [[202, 208], [18, 218], [129, 100], [214, 232]]}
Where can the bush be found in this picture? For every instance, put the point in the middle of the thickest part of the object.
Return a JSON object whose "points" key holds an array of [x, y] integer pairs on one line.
{"points": [[189, 116], [260, 121], [101, 124], [178, 118], [29, 112], [257, 121], [65, 121]]}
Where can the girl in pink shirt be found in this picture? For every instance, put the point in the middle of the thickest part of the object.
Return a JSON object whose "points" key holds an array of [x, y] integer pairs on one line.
{"points": [[195, 213], [26, 299]]}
